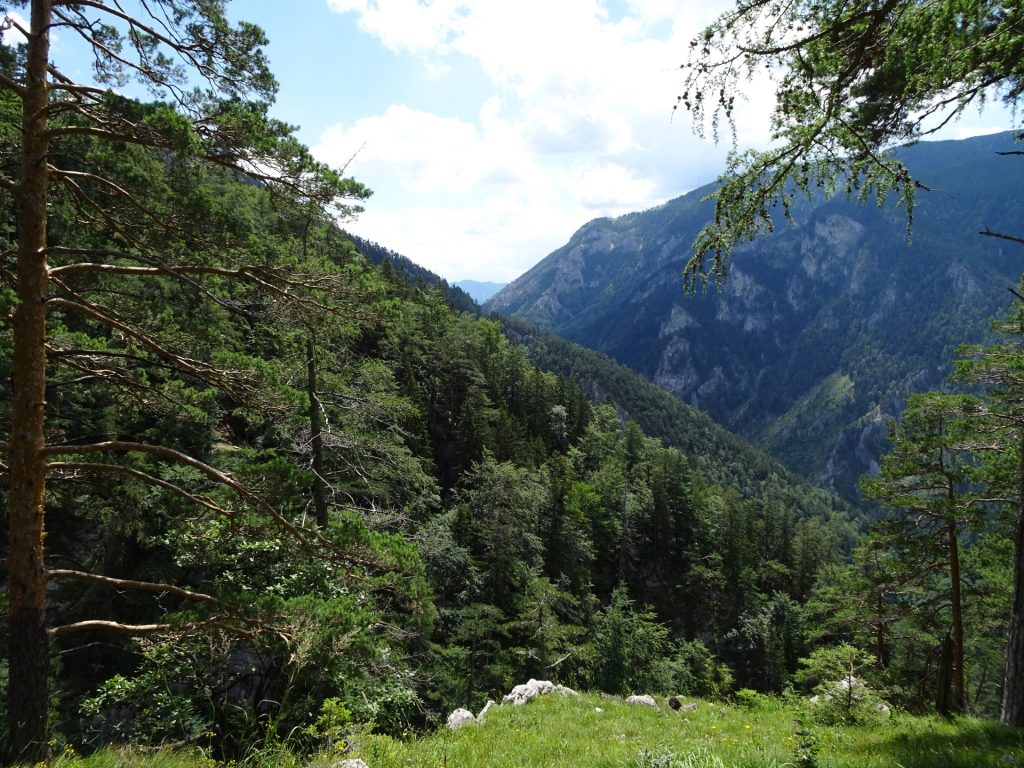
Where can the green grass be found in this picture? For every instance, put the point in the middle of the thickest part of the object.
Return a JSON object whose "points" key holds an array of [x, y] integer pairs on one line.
{"points": [[569, 732]]}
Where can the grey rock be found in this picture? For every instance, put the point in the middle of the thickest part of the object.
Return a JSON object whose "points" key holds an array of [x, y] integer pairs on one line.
{"points": [[487, 708], [643, 701], [459, 718]]}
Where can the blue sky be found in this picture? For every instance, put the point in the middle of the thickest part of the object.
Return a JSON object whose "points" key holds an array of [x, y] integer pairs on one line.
{"points": [[491, 130]]}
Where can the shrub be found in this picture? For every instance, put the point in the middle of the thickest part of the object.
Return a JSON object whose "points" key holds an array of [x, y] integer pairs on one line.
{"points": [[696, 671], [841, 696]]}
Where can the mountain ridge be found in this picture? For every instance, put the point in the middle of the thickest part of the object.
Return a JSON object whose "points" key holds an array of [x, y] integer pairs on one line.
{"points": [[820, 299]]}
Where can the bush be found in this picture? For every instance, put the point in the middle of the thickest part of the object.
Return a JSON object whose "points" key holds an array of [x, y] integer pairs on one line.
{"points": [[696, 671], [841, 696], [749, 699], [632, 649]]}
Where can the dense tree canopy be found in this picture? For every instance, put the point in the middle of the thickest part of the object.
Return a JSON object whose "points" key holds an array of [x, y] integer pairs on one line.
{"points": [[291, 495]]}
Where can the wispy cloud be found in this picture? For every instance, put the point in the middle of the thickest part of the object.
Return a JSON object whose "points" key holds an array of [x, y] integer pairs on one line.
{"points": [[578, 123]]}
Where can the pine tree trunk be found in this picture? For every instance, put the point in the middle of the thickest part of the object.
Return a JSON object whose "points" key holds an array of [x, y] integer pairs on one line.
{"points": [[957, 694], [1012, 712], [29, 646]]}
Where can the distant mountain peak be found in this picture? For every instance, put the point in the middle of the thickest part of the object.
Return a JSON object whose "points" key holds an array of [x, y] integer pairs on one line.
{"points": [[839, 296], [481, 291]]}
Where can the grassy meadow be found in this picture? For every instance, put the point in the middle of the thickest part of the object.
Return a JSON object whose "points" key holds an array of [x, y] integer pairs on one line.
{"points": [[596, 732]]}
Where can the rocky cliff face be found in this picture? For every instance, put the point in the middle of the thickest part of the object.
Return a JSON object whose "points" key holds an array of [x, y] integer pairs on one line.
{"points": [[822, 328]]}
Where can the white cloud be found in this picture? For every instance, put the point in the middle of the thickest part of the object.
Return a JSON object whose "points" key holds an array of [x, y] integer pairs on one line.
{"points": [[11, 35], [473, 199], [579, 125], [405, 25]]}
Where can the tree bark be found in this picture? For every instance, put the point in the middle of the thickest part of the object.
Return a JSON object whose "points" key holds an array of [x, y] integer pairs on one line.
{"points": [[316, 437], [957, 694], [1012, 711], [29, 646]]}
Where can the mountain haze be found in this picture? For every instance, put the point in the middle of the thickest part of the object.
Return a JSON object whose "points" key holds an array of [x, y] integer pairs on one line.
{"points": [[481, 291], [822, 327]]}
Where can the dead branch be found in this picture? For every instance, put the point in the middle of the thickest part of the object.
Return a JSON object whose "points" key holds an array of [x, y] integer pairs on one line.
{"points": [[1012, 238], [140, 586], [114, 626]]}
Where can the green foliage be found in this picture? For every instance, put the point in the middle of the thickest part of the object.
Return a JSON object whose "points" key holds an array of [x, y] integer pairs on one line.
{"points": [[332, 724], [154, 705], [697, 672], [837, 110], [805, 746], [630, 647], [842, 696]]}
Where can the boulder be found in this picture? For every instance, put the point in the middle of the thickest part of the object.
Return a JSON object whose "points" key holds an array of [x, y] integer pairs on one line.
{"points": [[532, 689], [483, 712], [643, 701], [459, 718], [351, 763]]}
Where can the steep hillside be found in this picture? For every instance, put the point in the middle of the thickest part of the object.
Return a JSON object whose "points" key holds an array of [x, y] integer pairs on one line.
{"points": [[821, 329], [718, 455]]}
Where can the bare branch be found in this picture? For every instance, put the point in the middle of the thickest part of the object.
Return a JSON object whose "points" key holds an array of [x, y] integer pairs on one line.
{"points": [[147, 478], [12, 85], [304, 536], [113, 626], [1001, 236], [151, 629], [140, 586]]}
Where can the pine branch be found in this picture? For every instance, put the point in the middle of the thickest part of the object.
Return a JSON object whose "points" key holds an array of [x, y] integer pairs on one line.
{"points": [[304, 536], [146, 478]]}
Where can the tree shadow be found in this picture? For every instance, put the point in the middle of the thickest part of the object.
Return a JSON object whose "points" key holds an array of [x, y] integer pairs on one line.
{"points": [[972, 744]]}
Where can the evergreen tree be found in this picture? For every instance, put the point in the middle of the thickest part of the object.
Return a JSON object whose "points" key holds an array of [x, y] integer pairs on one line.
{"points": [[852, 80], [927, 480], [146, 237]]}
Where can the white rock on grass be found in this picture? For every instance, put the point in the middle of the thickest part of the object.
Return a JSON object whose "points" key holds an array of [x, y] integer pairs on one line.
{"points": [[643, 701], [350, 763], [483, 712], [532, 689], [459, 718]]}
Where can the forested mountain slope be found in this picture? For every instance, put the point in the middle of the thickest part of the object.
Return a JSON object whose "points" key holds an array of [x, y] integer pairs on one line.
{"points": [[322, 492], [717, 454], [822, 328]]}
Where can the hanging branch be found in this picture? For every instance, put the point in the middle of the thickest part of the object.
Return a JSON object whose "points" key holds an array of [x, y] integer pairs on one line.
{"points": [[302, 535]]}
